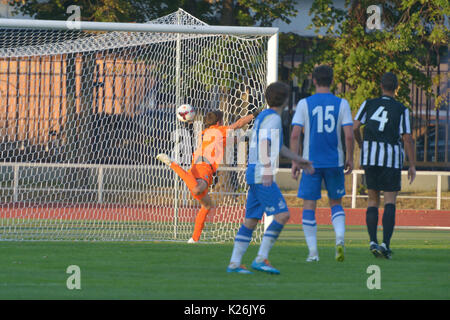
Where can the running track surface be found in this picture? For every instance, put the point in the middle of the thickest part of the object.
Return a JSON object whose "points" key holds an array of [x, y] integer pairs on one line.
{"points": [[437, 218]]}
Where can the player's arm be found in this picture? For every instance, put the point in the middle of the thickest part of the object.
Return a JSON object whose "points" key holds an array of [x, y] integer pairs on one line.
{"points": [[357, 132], [347, 126], [360, 119], [408, 142], [267, 178], [299, 161], [241, 122], [294, 144], [298, 122], [349, 146], [245, 120]]}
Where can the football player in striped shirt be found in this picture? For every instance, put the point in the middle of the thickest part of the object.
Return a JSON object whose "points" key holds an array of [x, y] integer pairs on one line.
{"points": [[266, 143], [322, 117], [386, 123]]}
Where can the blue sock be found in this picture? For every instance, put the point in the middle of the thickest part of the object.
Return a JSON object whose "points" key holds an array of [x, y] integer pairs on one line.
{"points": [[337, 211]]}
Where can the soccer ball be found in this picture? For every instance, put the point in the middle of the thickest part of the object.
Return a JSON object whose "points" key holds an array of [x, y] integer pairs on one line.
{"points": [[185, 113]]}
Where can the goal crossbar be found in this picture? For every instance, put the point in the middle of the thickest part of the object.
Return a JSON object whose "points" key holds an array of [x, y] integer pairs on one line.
{"points": [[135, 27]]}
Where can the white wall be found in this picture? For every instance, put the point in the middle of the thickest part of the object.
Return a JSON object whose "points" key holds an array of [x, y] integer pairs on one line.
{"points": [[420, 184]]}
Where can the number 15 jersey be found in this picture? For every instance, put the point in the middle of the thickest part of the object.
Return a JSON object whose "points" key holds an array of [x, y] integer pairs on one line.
{"points": [[322, 116], [385, 120]]}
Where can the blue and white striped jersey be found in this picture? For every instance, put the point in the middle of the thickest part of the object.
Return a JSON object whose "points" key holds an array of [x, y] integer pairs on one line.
{"points": [[267, 127]]}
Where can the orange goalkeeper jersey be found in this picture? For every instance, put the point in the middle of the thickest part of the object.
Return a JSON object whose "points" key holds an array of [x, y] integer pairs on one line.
{"points": [[212, 146]]}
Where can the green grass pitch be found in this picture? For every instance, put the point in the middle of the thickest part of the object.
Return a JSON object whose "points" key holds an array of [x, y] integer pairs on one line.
{"points": [[170, 270]]}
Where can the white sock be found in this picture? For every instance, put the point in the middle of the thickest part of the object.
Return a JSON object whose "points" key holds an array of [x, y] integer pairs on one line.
{"points": [[239, 250], [338, 221], [241, 243], [268, 240], [311, 239], [310, 230], [266, 244], [339, 229]]}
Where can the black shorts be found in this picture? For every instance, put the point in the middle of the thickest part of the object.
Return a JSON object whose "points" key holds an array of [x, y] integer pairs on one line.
{"points": [[383, 179]]}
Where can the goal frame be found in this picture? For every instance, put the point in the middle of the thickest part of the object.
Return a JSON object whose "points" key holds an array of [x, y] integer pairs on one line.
{"points": [[271, 32], [272, 55]]}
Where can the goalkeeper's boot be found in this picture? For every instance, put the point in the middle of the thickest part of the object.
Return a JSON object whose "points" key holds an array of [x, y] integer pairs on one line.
{"points": [[387, 253], [164, 158], [191, 240], [376, 250], [264, 266], [241, 269], [340, 252]]}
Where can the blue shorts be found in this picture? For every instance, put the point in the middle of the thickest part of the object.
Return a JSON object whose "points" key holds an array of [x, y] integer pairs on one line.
{"points": [[262, 199], [311, 184]]}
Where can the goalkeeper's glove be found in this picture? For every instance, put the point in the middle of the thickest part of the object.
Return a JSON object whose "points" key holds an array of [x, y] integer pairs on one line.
{"points": [[257, 112]]}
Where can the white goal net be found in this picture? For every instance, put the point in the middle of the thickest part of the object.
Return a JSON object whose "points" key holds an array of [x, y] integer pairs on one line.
{"points": [[83, 113]]}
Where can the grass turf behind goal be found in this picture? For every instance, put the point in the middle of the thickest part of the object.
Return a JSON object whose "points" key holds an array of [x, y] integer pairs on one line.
{"points": [[162, 270]]}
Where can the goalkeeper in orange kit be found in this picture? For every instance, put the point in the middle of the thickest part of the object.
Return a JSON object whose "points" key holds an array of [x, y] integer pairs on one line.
{"points": [[205, 162]]}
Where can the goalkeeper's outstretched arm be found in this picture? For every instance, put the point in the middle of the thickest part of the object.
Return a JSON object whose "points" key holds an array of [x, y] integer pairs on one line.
{"points": [[244, 120]]}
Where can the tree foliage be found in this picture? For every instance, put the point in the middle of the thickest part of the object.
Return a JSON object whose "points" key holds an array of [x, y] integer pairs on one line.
{"points": [[102, 10], [256, 12], [226, 12], [411, 36]]}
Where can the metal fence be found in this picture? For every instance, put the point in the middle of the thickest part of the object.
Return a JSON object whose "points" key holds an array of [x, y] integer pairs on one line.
{"points": [[35, 93], [437, 174], [96, 186]]}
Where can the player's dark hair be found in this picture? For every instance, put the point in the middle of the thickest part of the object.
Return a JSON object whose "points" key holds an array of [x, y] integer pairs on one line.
{"points": [[211, 118], [389, 82], [323, 75], [276, 94]]}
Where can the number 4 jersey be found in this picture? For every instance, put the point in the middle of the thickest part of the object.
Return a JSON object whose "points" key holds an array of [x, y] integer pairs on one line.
{"points": [[322, 116], [385, 120]]}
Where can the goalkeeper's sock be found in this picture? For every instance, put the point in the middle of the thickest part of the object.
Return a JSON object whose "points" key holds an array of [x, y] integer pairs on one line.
{"points": [[199, 223], [187, 177], [241, 243], [388, 221], [310, 229], [338, 221], [268, 240], [372, 223]]}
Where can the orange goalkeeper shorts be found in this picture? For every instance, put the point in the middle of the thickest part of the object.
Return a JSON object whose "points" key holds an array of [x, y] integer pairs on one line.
{"points": [[202, 171]]}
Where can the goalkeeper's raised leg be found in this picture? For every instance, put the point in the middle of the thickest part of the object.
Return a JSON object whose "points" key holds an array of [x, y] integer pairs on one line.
{"points": [[206, 160]]}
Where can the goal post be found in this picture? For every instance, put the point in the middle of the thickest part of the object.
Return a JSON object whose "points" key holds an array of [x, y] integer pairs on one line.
{"points": [[83, 113], [272, 76]]}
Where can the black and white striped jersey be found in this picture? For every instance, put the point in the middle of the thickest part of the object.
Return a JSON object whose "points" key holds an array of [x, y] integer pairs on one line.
{"points": [[385, 120]]}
